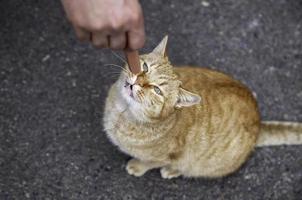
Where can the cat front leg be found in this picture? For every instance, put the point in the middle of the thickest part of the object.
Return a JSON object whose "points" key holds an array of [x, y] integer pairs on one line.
{"points": [[168, 173], [138, 168]]}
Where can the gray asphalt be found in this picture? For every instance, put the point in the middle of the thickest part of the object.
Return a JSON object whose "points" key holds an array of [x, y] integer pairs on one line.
{"points": [[52, 92]]}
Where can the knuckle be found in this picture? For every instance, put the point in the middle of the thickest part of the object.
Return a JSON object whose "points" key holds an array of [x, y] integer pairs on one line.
{"points": [[117, 46], [81, 35], [76, 21], [117, 25], [72, 18], [135, 17], [98, 45], [96, 26], [117, 22], [138, 43]]}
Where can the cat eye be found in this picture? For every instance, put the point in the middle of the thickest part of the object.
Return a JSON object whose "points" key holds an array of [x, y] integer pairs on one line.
{"points": [[145, 67], [157, 90]]}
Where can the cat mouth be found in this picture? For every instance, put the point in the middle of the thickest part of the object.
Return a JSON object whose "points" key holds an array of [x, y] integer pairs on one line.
{"points": [[129, 89]]}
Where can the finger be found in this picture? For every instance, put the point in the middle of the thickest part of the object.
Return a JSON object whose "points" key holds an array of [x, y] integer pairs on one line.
{"points": [[100, 40], [82, 35], [118, 41], [135, 39], [136, 35], [136, 30]]}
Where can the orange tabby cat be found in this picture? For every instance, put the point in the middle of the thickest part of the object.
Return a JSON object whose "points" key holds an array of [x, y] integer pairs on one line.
{"points": [[194, 122]]}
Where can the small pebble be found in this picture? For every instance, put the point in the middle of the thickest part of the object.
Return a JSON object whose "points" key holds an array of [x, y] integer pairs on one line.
{"points": [[73, 83], [46, 58], [205, 3]]}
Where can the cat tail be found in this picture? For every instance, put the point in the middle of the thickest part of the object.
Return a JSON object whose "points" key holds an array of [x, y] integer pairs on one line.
{"points": [[279, 133]]}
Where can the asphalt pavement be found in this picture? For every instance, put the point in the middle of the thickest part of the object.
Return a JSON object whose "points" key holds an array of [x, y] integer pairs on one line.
{"points": [[53, 88]]}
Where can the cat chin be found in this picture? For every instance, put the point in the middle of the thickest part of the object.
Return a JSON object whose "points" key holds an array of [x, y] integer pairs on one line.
{"points": [[135, 108], [130, 99]]}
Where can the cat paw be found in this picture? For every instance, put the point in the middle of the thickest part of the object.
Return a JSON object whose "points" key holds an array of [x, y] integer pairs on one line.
{"points": [[135, 167], [168, 173]]}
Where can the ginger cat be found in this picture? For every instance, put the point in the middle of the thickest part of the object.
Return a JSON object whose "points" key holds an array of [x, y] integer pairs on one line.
{"points": [[187, 121]]}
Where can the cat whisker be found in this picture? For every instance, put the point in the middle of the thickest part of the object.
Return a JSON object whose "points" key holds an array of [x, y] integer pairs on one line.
{"points": [[108, 129], [118, 66], [119, 57], [114, 65], [113, 74]]}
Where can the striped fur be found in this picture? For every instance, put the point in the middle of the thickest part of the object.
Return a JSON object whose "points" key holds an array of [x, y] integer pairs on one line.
{"points": [[202, 123], [279, 133]]}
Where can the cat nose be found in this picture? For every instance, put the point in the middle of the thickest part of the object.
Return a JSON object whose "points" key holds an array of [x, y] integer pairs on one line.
{"points": [[139, 81], [131, 87]]}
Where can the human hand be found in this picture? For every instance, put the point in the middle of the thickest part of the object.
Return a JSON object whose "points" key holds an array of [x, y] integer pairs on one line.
{"points": [[116, 24]]}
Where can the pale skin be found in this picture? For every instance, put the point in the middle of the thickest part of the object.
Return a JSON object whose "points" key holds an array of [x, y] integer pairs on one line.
{"points": [[117, 24]]}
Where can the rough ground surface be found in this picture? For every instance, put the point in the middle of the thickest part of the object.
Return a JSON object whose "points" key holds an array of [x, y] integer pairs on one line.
{"points": [[52, 92]]}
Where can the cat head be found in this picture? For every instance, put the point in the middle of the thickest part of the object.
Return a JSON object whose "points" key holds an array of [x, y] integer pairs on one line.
{"points": [[155, 92]]}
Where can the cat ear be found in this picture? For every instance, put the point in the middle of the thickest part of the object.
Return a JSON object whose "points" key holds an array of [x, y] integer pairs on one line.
{"points": [[187, 99], [162, 47]]}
